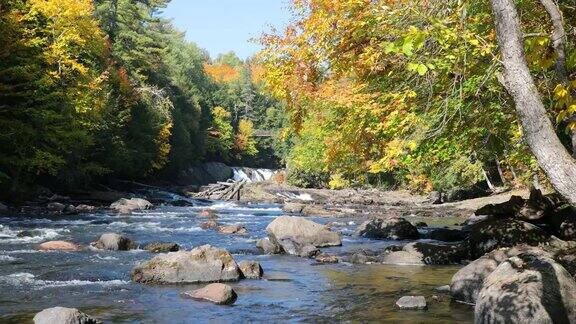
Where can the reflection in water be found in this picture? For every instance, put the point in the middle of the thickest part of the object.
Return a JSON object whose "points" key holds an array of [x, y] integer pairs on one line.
{"points": [[293, 289]]}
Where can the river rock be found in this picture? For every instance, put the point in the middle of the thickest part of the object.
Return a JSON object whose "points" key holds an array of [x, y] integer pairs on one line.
{"points": [[360, 257], [443, 289], [127, 206], [291, 207], [210, 224], [468, 281], [161, 247], [492, 234], [250, 269], [56, 207], [114, 242], [393, 228], [527, 288], [63, 315], [29, 233], [233, 229], [59, 246], [446, 235], [85, 208], [412, 303], [301, 231], [202, 264], [420, 253], [268, 247], [298, 248], [208, 213], [326, 258], [217, 293], [563, 223]]}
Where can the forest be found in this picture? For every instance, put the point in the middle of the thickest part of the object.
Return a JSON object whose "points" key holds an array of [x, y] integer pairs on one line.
{"points": [[96, 90]]}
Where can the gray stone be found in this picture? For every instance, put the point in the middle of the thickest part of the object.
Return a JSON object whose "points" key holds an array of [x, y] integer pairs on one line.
{"points": [[250, 269], [161, 247], [412, 303], [393, 228], [292, 247], [527, 288], [114, 242], [301, 231], [56, 207], [269, 247], [468, 281], [127, 206], [62, 315], [493, 234], [202, 264]]}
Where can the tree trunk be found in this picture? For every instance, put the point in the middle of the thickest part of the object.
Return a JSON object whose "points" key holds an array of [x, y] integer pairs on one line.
{"points": [[559, 42], [551, 155]]}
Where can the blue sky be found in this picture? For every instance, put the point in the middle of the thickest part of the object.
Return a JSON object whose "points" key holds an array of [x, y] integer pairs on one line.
{"points": [[220, 26]]}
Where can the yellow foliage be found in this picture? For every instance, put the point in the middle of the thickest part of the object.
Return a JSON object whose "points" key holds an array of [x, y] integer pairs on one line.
{"points": [[222, 72]]}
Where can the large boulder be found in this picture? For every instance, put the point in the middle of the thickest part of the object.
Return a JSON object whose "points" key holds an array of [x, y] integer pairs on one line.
{"points": [[217, 293], [563, 223], [127, 206], [114, 242], [301, 231], [527, 288], [298, 248], [59, 246], [446, 235], [63, 315], [468, 281], [250, 269], [493, 234], [202, 264], [393, 228]]}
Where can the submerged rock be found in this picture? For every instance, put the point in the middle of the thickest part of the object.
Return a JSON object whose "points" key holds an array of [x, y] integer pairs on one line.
{"points": [[393, 228], [56, 207], [84, 208], [63, 315], [210, 224], [326, 258], [412, 303], [161, 247], [59, 246], [301, 231], [114, 242], [217, 293], [250, 269], [127, 206], [202, 264], [493, 234], [527, 288], [208, 213], [233, 229]]}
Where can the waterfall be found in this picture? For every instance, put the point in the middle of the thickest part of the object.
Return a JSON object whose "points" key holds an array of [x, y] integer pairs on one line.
{"points": [[251, 174]]}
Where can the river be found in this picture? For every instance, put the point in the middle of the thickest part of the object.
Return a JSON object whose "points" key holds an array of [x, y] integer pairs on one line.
{"points": [[292, 290]]}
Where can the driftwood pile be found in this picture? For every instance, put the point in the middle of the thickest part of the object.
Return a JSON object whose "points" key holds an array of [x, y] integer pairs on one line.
{"points": [[221, 191]]}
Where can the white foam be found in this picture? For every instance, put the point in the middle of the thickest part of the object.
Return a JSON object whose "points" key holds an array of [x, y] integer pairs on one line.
{"points": [[28, 279], [7, 258], [8, 235]]}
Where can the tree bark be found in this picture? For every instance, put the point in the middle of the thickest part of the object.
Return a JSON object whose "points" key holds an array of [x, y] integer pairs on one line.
{"points": [[551, 155]]}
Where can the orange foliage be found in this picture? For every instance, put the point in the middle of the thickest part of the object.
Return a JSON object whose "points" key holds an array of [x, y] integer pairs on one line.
{"points": [[222, 72]]}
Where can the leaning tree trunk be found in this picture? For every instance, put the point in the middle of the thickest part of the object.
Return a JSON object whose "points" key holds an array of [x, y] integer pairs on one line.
{"points": [[551, 155]]}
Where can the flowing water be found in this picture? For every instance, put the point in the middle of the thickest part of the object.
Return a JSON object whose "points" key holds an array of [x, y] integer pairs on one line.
{"points": [[292, 290]]}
